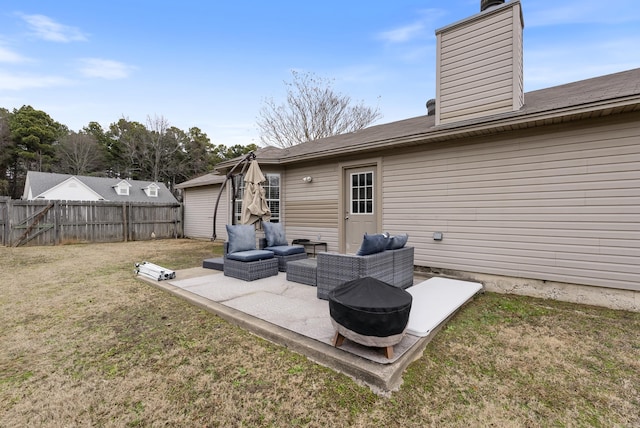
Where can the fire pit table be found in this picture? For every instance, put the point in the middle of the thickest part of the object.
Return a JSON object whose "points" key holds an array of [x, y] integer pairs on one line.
{"points": [[369, 312]]}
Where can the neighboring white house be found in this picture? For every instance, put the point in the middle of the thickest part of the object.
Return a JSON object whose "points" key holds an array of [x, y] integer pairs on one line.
{"points": [[50, 186]]}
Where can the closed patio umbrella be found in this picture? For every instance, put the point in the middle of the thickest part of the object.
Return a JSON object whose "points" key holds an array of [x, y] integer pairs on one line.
{"points": [[254, 202]]}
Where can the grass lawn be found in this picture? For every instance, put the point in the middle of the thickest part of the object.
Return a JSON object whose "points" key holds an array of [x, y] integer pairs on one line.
{"points": [[83, 342]]}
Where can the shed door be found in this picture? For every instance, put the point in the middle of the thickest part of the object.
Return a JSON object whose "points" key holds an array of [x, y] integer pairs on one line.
{"points": [[360, 206]]}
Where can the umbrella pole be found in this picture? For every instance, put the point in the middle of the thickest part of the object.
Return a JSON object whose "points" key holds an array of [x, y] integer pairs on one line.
{"points": [[234, 195], [245, 160]]}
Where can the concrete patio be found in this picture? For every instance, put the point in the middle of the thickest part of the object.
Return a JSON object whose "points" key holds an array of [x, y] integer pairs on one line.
{"points": [[290, 314]]}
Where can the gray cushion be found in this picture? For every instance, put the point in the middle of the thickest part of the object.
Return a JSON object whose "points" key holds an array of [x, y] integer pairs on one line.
{"points": [[397, 241], [251, 255], [242, 237], [286, 250], [372, 244], [274, 232]]}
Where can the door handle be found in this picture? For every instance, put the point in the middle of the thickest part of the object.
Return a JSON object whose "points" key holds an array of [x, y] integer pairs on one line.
{"points": [[346, 218]]}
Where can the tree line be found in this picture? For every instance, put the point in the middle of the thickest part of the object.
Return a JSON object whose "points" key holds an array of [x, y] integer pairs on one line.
{"points": [[30, 140]]}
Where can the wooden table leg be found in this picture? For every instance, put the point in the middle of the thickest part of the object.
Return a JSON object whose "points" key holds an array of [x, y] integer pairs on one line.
{"points": [[338, 340], [388, 352]]}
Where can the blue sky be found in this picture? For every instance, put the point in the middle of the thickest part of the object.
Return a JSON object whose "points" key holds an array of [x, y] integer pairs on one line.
{"points": [[211, 64]]}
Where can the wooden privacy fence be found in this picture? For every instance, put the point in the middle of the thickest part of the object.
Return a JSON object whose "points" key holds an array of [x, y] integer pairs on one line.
{"points": [[44, 222]]}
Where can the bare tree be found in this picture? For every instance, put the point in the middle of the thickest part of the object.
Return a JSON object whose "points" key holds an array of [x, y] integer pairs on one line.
{"points": [[156, 144], [79, 154], [312, 111]]}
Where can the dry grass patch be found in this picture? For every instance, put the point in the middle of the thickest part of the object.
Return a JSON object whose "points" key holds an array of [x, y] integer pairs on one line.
{"points": [[84, 342], [518, 361]]}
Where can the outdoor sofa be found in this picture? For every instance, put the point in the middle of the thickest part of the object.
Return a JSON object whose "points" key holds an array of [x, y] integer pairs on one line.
{"points": [[385, 258]]}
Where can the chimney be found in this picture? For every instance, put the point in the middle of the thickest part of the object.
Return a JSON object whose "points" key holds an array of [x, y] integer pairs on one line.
{"points": [[479, 70]]}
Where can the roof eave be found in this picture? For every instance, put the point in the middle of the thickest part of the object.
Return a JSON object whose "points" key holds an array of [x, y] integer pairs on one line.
{"points": [[224, 167], [491, 126]]}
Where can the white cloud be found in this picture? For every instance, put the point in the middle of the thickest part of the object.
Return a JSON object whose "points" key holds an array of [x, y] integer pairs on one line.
{"points": [[421, 27], [17, 82], [105, 69], [11, 57], [403, 34], [50, 30]]}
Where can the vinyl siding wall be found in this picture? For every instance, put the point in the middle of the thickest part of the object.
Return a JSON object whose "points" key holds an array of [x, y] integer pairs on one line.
{"points": [[518, 59], [311, 209], [561, 206], [479, 66], [199, 204]]}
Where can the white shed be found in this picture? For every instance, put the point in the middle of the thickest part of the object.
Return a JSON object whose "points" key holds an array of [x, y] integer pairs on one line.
{"points": [[199, 201]]}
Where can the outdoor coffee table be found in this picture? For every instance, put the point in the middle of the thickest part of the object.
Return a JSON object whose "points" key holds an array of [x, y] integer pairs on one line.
{"points": [[311, 247]]}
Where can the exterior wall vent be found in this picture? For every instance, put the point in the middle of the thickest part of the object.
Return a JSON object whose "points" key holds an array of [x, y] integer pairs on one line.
{"points": [[486, 4]]}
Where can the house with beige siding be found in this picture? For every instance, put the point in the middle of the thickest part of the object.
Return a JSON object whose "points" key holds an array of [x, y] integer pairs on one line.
{"points": [[535, 193]]}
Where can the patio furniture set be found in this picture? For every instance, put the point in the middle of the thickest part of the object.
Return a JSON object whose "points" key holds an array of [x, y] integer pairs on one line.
{"points": [[386, 258], [370, 282], [244, 261]]}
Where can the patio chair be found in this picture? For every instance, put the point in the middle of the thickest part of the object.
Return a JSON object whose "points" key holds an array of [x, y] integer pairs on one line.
{"points": [[242, 260], [276, 241]]}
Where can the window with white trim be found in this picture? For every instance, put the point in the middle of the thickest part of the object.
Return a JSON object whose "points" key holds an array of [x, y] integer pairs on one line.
{"points": [[122, 189], [151, 191], [362, 193], [272, 193]]}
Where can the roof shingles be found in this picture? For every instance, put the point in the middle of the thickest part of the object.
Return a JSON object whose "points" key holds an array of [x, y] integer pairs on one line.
{"points": [[40, 182], [582, 94]]}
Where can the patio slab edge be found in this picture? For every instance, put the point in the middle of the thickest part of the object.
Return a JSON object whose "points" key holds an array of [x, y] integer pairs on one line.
{"points": [[381, 378]]}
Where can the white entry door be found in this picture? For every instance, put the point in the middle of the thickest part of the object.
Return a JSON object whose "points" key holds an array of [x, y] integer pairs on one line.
{"points": [[360, 215]]}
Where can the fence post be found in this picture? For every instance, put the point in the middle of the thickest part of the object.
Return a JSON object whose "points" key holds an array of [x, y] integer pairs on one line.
{"points": [[176, 216], [130, 224], [125, 230], [56, 221], [4, 204], [8, 223]]}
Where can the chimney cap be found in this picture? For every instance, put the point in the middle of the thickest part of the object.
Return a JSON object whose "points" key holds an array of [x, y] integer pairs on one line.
{"points": [[486, 4], [431, 107]]}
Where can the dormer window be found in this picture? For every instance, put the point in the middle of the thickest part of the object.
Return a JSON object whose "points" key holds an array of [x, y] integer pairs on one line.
{"points": [[151, 190], [122, 188]]}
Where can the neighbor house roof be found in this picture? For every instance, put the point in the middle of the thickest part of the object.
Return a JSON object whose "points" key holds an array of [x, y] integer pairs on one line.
{"points": [[41, 182], [600, 96]]}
